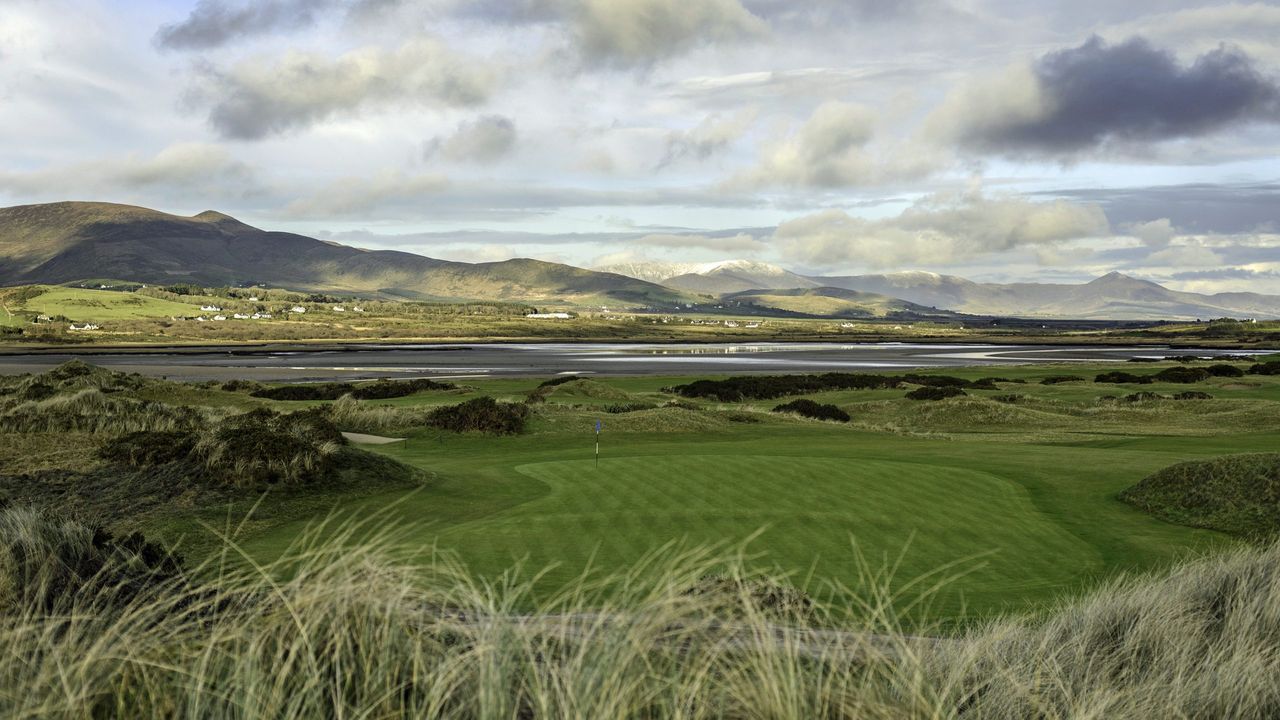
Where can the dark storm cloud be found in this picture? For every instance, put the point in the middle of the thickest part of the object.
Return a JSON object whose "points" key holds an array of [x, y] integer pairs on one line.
{"points": [[1193, 208], [1131, 91], [214, 23]]}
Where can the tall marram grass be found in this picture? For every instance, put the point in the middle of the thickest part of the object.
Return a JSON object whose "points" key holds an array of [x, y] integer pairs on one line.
{"points": [[352, 627]]}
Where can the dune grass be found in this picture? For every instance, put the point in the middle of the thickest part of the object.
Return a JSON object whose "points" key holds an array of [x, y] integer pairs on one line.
{"points": [[351, 626]]}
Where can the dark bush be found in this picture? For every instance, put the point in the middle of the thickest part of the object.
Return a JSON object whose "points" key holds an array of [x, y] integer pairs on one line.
{"points": [[1193, 395], [1056, 379], [740, 416], [241, 385], [1010, 398], [482, 414], [984, 384], [1143, 359], [264, 447], [1224, 370], [1143, 396], [1118, 376], [733, 597], [935, 393], [1182, 375], [1271, 367], [559, 380], [379, 390], [767, 387], [935, 380], [148, 447], [811, 409]]}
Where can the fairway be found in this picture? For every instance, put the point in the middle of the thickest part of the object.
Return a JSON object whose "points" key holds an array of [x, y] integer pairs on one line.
{"points": [[808, 512]]}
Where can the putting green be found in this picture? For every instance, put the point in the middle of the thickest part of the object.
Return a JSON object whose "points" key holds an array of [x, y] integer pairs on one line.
{"points": [[809, 509]]}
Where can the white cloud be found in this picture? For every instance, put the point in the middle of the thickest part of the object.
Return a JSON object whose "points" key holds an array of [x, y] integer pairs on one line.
{"points": [[485, 139], [202, 170], [936, 230], [641, 32], [257, 98]]}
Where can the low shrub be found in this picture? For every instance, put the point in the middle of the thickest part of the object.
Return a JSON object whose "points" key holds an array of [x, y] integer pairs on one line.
{"points": [[811, 409], [1184, 375], [377, 390], [1224, 370], [1009, 398], [1120, 377], [482, 414], [767, 387], [1192, 395], [262, 447], [740, 416], [935, 393], [1143, 396], [1270, 367], [1057, 379]]}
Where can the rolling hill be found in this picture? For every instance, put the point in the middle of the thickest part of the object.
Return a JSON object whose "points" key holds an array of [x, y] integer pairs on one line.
{"points": [[70, 241], [1114, 296], [836, 303]]}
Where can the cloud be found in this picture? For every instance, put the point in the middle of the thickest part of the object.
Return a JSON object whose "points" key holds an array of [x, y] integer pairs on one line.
{"points": [[937, 229], [738, 243], [641, 32], [1098, 94], [1154, 233], [213, 23], [193, 168], [486, 139], [256, 99], [1196, 207], [710, 137], [832, 149]]}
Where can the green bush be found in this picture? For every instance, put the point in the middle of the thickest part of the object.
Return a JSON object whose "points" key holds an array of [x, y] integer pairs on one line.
{"points": [[1183, 375], [620, 408], [482, 414], [1143, 396], [935, 393], [377, 390], [1056, 379], [811, 409], [1224, 370], [262, 447], [1270, 367], [1192, 395], [1120, 377]]}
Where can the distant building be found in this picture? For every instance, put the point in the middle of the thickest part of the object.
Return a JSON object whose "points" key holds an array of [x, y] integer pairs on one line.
{"points": [[550, 316], [357, 308], [86, 326], [297, 309], [219, 318], [210, 308], [240, 316], [339, 308]]}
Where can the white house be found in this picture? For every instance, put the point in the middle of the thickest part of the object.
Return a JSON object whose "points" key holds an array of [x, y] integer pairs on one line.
{"points": [[297, 309], [210, 308], [202, 319], [339, 308], [357, 309], [549, 316], [86, 326], [240, 316], [731, 323], [219, 317]]}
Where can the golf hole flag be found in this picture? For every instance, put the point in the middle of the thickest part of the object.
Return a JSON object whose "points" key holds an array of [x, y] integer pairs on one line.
{"points": [[599, 425]]}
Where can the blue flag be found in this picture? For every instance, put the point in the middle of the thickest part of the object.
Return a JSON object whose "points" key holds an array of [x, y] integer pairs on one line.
{"points": [[598, 426]]}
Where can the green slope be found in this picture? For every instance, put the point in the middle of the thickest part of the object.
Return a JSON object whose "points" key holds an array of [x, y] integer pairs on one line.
{"points": [[65, 242]]}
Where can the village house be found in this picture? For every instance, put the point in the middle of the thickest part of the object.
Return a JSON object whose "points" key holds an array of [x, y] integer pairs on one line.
{"points": [[240, 316], [297, 309], [549, 316], [339, 308], [210, 308], [86, 326]]}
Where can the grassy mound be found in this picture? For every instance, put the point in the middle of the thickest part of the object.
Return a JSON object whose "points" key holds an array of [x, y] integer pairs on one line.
{"points": [[482, 414], [585, 388], [377, 390], [1238, 494], [93, 411]]}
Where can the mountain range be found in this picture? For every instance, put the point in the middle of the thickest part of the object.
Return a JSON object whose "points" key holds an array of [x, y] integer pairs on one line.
{"points": [[74, 241], [69, 241], [1114, 296]]}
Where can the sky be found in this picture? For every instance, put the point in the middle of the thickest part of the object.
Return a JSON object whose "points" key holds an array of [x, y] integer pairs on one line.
{"points": [[1000, 140]]}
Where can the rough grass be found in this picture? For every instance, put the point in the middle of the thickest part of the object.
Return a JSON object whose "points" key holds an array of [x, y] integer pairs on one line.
{"points": [[347, 628], [1238, 494]]}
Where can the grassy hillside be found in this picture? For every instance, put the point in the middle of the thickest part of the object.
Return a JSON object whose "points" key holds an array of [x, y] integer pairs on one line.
{"points": [[64, 242], [833, 302]]}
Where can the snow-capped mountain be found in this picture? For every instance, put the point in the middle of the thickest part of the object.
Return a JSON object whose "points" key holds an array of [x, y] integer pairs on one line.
{"points": [[714, 278]]}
